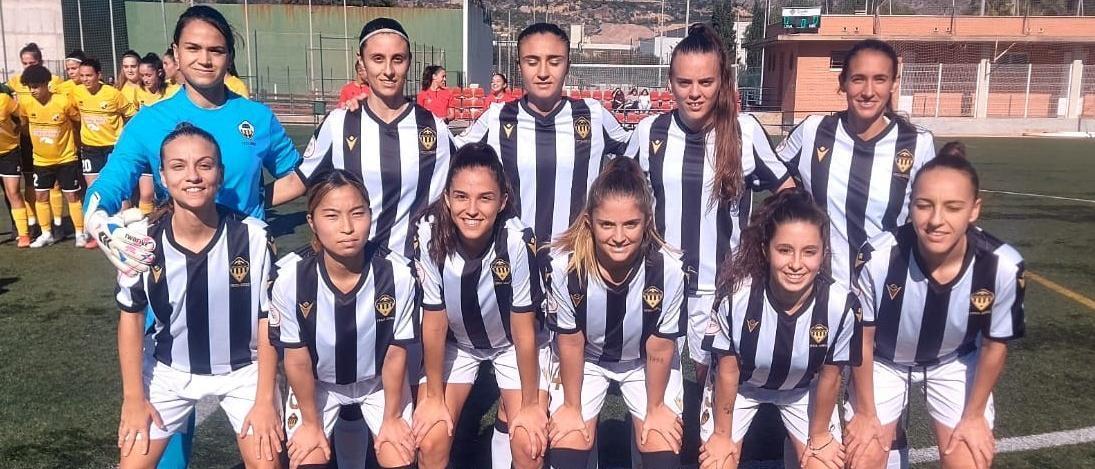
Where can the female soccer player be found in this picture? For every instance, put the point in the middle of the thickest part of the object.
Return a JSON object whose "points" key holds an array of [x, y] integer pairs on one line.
{"points": [[941, 299], [435, 94], [129, 80], [704, 161], [11, 165], [781, 334], [72, 72], [478, 263], [207, 293], [30, 55], [616, 306], [249, 135], [103, 111], [344, 309]]}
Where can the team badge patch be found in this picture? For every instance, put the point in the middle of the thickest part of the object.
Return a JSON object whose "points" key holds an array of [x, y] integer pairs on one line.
{"points": [[981, 301], [576, 298], [55, 118], [239, 269], [903, 162], [652, 296], [532, 243], [157, 272], [428, 139], [655, 145], [500, 269], [292, 421], [752, 325], [104, 105], [508, 129], [582, 127], [275, 318], [351, 141], [818, 334], [247, 130], [385, 305], [893, 289], [305, 308], [822, 152]]}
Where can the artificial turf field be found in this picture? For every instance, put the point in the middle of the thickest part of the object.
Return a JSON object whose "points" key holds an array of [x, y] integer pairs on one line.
{"points": [[60, 391]]}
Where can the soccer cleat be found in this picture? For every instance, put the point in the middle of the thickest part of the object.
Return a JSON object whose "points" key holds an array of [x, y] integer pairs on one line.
{"points": [[22, 242], [44, 240], [81, 240]]}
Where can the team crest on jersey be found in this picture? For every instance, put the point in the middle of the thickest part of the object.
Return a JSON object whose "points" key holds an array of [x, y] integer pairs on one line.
{"points": [[576, 298], [275, 317], [860, 259], [305, 308], [981, 301], [500, 269], [104, 105], [427, 137], [385, 305], [822, 152], [652, 296], [582, 127], [55, 118], [239, 269], [292, 421], [508, 129], [351, 141], [903, 162], [752, 325], [157, 272], [247, 130], [893, 289], [655, 145], [818, 334]]}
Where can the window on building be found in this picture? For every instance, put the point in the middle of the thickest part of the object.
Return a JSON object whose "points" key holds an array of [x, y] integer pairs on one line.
{"points": [[836, 59]]}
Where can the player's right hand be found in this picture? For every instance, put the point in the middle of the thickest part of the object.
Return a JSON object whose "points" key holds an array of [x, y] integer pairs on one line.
{"points": [[719, 452], [566, 420], [863, 441], [430, 412], [137, 417], [308, 438], [129, 249]]}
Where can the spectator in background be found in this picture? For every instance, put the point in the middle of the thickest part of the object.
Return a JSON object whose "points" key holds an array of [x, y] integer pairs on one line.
{"points": [[632, 100], [499, 90], [617, 100], [357, 89], [435, 94], [644, 100]]}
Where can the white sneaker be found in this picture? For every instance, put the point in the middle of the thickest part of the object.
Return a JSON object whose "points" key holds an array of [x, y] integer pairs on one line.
{"points": [[45, 239], [81, 240]]}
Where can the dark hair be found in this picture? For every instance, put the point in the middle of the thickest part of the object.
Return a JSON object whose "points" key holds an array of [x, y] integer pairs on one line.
{"points": [[131, 53], [728, 181], [378, 24], [621, 177], [953, 156], [184, 129], [543, 28], [168, 53], [326, 182], [212, 17], [445, 236], [874, 45], [93, 63], [77, 55], [32, 49], [427, 75], [153, 61], [750, 260], [120, 81], [502, 76], [36, 75]]}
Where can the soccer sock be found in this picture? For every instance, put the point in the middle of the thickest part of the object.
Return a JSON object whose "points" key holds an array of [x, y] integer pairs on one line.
{"points": [[76, 212], [146, 207], [661, 459], [32, 218], [500, 455], [20, 217], [56, 205], [565, 458], [43, 213]]}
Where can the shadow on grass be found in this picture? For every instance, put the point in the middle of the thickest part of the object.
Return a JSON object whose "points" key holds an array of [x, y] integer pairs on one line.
{"points": [[5, 281]]}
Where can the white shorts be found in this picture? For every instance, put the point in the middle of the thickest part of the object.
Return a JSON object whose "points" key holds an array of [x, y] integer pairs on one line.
{"points": [[699, 315], [369, 395], [462, 365], [174, 394], [946, 386], [632, 379], [795, 408]]}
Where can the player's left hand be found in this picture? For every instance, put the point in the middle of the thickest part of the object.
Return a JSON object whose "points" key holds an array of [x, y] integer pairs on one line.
{"points": [[822, 451], [264, 423], [975, 433], [666, 422], [533, 420], [395, 431]]}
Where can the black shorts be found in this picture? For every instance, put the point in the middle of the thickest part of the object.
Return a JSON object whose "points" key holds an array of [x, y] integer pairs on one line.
{"points": [[28, 153], [67, 175], [11, 164], [92, 159]]}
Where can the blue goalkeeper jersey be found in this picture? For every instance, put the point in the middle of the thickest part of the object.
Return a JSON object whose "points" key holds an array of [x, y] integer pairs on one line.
{"points": [[250, 139]]}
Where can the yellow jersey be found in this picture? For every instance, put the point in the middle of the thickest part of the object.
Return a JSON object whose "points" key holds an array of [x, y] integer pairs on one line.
{"points": [[236, 85], [23, 91], [171, 90], [129, 90], [9, 130], [65, 87], [51, 129], [147, 98], [101, 114]]}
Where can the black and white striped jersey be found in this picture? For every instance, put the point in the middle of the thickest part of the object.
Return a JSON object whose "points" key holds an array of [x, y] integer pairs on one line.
{"points": [[680, 164], [206, 304], [921, 322], [780, 351], [403, 164], [478, 295], [347, 334], [864, 186], [617, 321], [550, 160]]}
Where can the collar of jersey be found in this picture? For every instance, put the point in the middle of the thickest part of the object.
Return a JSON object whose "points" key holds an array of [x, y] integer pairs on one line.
{"points": [[341, 296], [971, 248], [395, 122], [842, 117], [170, 233], [688, 131], [632, 271], [550, 117], [807, 305]]}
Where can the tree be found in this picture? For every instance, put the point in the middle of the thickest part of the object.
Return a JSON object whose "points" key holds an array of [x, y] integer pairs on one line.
{"points": [[722, 19]]}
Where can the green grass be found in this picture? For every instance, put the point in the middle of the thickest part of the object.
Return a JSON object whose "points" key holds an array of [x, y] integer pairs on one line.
{"points": [[59, 388]]}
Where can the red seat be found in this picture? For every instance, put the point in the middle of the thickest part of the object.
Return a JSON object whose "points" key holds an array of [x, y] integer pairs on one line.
{"points": [[587, 94], [633, 118], [620, 117], [475, 92], [456, 91], [475, 113], [474, 103], [599, 95]]}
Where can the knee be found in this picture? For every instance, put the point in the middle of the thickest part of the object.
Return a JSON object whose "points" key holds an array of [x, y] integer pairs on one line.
{"points": [[434, 449], [525, 455]]}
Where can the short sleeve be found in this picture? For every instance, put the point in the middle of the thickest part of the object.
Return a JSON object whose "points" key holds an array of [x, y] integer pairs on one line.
{"points": [[673, 320], [132, 299], [267, 276], [317, 156], [718, 338], [768, 171], [405, 330], [846, 348], [1008, 317], [560, 306], [477, 131], [864, 285], [281, 157], [283, 314], [925, 152], [639, 138], [616, 137], [523, 270], [429, 274], [790, 148]]}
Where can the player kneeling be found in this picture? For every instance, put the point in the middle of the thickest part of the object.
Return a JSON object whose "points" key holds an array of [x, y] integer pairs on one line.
{"points": [[478, 271], [344, 310], [780, 334], [941, 298], [207, 292], [616, 304]]}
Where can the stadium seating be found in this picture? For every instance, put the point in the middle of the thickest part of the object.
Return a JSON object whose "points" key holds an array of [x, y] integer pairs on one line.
{"points": [[471, 102]]}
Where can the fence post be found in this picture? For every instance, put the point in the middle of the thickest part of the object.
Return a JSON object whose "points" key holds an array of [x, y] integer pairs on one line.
{"points": [[938, 87], [1026, 95], [981, 98], [1075, 90]]}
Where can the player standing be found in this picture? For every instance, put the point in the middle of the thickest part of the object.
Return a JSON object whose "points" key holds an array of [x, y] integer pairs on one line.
{"points": [[30, 55], [11, 165], [129, 80], [103, 111]]}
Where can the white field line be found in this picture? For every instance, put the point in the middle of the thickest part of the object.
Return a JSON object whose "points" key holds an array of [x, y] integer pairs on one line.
{"points": [[1041, 196], [1019, 443]]}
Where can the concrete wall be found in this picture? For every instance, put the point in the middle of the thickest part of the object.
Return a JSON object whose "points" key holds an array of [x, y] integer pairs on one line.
{"points": [[778, 124], [38, 21]]}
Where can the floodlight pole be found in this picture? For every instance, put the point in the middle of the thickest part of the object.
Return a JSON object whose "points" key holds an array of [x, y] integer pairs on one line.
{"points": [[763, 37], [687, 16]]}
